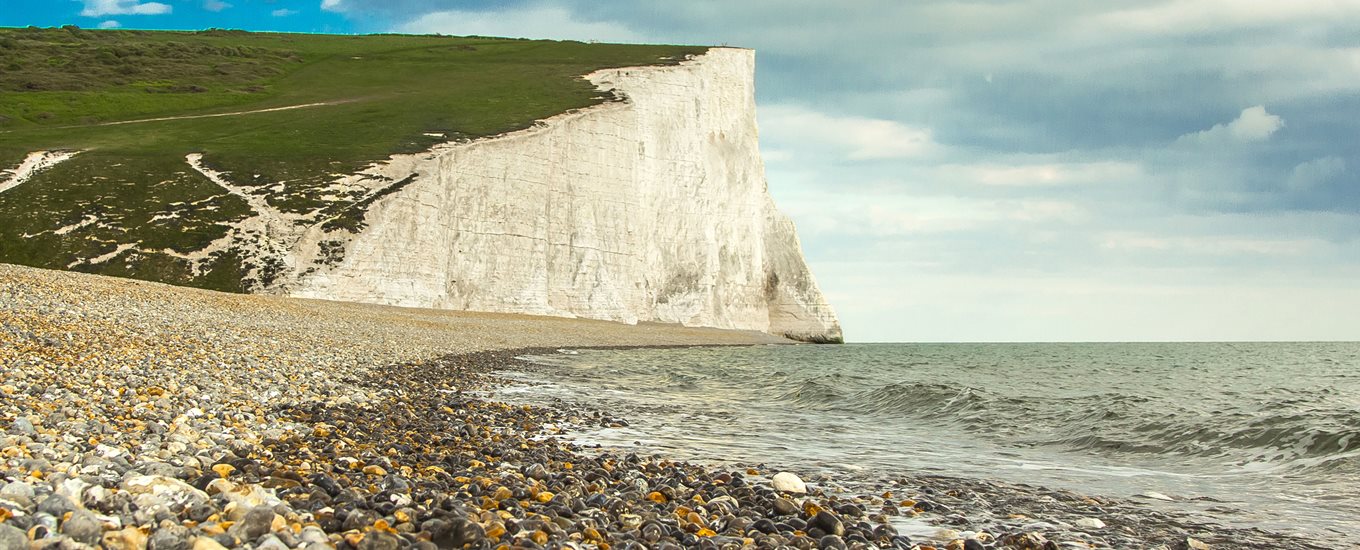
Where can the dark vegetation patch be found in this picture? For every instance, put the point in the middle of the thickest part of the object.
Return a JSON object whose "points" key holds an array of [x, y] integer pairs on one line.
{"points": [[87, 206], [352, 217]]}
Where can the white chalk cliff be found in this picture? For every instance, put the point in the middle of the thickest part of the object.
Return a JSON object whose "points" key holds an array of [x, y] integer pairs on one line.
{"points": [[653, 208]]}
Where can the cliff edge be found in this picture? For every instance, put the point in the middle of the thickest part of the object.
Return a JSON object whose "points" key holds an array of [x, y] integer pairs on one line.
{"points": [[652, 207]]}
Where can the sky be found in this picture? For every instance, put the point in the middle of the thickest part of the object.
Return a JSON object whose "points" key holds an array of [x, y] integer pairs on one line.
{"points": [[1030, 170]]}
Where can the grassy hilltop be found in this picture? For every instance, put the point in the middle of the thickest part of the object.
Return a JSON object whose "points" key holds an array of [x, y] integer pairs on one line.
{"points": [[131, 191]]}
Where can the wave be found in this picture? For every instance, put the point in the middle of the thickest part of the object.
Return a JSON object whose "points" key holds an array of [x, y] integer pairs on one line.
{"points": [[1106, 423]]}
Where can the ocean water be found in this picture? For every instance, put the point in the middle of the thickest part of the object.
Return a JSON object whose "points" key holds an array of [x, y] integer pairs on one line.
{"points": [[1247, 434]]}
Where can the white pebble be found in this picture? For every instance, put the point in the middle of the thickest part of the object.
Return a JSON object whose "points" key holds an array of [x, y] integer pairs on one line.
{"points": [[788, 482], [1090, 523]]}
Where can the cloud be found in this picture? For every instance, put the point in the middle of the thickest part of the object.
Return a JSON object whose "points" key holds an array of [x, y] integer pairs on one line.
{"points": [[283, 12], [1253, 125], [1194, 17], [100, 8], [856, 137], [110, 24], [1308, 175], [215, 5], [333, 5], [1215, 245], [541, 21], [1042, 175]]}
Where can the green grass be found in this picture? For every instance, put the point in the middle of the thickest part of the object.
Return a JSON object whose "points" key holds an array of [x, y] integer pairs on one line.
{"points": [[57, 86]]}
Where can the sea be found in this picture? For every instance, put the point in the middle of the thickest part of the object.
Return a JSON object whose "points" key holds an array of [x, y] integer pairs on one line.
{"points": [[1262, 435]]}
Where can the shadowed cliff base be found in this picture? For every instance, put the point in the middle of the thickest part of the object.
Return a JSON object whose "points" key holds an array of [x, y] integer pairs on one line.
{"points": [[815, 338]]}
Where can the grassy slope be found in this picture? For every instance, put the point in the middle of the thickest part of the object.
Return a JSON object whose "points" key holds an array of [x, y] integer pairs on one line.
{"points": [[58, 85]]}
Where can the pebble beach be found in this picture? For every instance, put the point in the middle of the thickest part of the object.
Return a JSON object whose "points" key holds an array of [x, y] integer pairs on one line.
{"points": [[137, 415]]}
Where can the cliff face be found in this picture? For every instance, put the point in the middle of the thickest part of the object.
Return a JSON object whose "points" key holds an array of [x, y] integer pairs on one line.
{"points": [[649, 209]]}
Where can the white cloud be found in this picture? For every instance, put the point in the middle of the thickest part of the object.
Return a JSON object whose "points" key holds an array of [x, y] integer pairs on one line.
{"points": [[1212, 245], [1253, 125], [542, 21], [858, 138], [1315, 172], [1194, 16], [100, 8], [283, 12], [215, 5], [332, 5], [110, 24], [1041, 175]]}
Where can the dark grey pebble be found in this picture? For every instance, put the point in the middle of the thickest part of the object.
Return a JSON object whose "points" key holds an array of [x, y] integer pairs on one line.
{"points": [[169, 537], [828, 523], [785, 507], [831, 541], [56, 505], [257, 522], [378, 540], [972, 544], [358, 519], [83, 527]]}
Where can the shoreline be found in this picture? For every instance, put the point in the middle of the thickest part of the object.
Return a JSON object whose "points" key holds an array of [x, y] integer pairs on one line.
{"points": [[138, 415], [958, 506]]}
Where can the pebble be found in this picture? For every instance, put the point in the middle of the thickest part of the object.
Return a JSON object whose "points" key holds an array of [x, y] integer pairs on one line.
{"points": [[1089, 523], [12, 537], [788, 482]]}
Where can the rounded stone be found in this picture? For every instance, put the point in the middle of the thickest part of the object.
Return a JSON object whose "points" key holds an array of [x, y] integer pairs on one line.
{"points": [[788, 482], [828, 523], [12, 537], [831, 541], [83, 527], [257, 522]]}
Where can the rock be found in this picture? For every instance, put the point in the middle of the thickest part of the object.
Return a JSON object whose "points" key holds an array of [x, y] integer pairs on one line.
{"points": [[271, 542], [536, 471], [785, 507], [207, 543], [165, 489], [23, 425], [56, 505], [83, 527], [358, 520], [1089, 523], [378, 540], [314, 534], [973, 544], [17, 489], [12, 538], [171, 537], [789, 483], [1192, 543], [257, 522], [828, 523], [831, 541], [129, 538]]}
